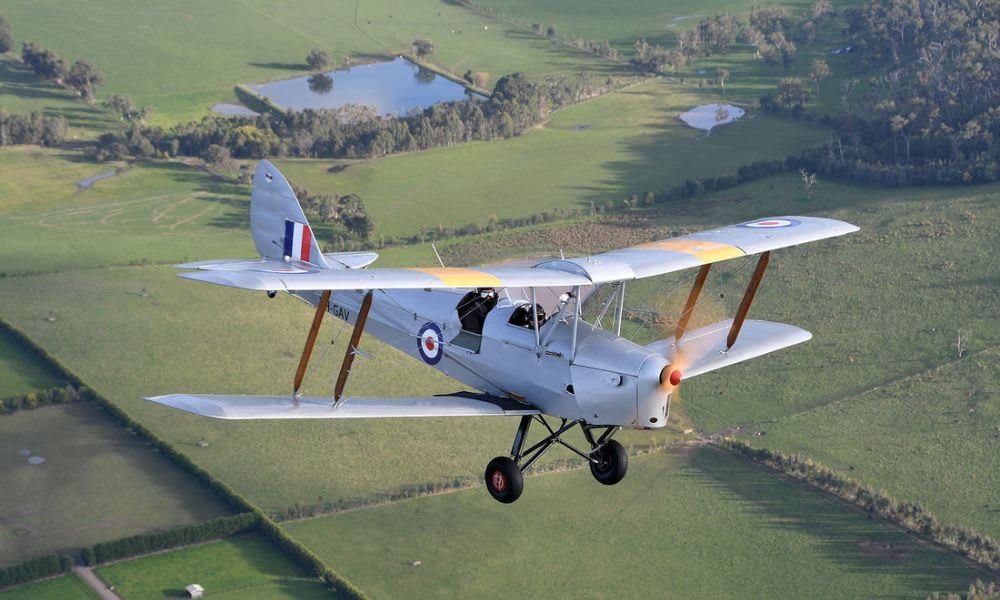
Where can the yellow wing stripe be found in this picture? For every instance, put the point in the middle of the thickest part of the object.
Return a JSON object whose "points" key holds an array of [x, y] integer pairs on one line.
{"points": [[453, 277], [706, 252]]}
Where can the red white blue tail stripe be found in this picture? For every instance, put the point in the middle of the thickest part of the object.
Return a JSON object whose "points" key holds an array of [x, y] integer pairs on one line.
{"points": [[298, 241]]}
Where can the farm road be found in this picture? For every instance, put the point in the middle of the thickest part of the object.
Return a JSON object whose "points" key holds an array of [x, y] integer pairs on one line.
{"points": [[94, 582]]}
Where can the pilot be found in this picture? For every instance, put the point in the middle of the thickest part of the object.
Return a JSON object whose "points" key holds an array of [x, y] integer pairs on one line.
{"points": [[474, 307], [522, 316]]}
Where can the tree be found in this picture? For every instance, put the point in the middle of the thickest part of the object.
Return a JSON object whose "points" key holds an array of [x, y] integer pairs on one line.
{"points": [[423, 47], [123, 105], [217, 155], [538, 29], [551, 32], [821, 10], [722, 75], [320, 83], [44, 63], [319, 59], [6, 36], [84, 78], [792, 93], [819, 71]]}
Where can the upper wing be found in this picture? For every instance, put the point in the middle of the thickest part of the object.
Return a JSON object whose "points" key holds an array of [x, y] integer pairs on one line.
{"points": [[696, 249], [645, 260], [462, 404]]}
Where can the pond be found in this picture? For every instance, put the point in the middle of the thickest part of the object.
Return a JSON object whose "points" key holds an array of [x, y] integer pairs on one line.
{"points": [[707, 116], [392, 88]]}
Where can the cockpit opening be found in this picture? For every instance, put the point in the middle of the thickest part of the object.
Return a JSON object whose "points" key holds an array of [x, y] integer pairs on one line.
{"points": [[474, 307], [522, 316]]}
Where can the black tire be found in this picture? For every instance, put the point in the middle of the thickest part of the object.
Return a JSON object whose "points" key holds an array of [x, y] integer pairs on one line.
{"points": [[504, 480], [612, 463]]}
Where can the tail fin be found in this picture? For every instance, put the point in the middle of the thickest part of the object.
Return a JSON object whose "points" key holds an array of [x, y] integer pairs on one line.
{"points": [[280, 228]]}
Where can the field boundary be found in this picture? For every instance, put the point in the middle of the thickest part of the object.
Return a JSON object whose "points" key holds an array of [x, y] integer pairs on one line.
{"points": [[267, 526], [910, 516]]}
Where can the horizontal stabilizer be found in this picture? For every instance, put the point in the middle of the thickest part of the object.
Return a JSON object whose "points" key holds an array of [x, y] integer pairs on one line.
{"points": [[705, 348], [285, 407]]}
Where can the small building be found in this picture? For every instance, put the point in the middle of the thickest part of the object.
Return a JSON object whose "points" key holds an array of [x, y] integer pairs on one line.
{"points": [[195, 591]]}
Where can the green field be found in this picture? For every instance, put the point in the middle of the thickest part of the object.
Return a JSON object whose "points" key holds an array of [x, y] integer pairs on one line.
{"points": [[246, 566], [148, 213], [98, 483], [187, 56], [692, 524], [21, 371], [628, 142], [67, 587], [931, 436]]}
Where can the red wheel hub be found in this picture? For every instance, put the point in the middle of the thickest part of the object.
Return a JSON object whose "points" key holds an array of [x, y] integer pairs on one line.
{"points": [[499, 481]]}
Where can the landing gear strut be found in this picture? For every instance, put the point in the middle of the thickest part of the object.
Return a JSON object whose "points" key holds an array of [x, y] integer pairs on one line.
{"points": [[505, 475]]}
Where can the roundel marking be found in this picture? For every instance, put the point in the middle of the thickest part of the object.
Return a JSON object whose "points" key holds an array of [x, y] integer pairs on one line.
{"points": [[429, 343], [771, 223]]}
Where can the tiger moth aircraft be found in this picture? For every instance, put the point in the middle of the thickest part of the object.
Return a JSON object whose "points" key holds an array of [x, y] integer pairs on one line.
{"points": [[558, 370]]}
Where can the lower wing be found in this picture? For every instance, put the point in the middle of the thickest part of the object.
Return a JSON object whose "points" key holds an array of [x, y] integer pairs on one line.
{"points": [[461, 404]]}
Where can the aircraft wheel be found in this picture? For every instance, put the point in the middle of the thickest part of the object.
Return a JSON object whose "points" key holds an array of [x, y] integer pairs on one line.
{"points": [[612, 463], [504, 480]]}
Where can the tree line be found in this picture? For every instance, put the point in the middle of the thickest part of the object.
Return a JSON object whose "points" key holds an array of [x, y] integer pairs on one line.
{"points": [[33, 128], [184, 535], [35, 568], [82, 77], [772, 31], [515, 105], [929, 112], [57, 395], [911, 516]]}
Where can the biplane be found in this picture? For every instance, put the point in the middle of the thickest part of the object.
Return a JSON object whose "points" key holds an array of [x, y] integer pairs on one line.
{"points": [[554, 369]]}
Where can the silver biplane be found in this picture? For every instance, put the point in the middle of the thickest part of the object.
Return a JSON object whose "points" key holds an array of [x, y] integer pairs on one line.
{"points": [[520, 361]]}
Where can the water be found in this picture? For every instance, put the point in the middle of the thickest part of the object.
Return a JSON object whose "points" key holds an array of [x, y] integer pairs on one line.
{"points": [[392, 88], [707, 116], [86, 183]]}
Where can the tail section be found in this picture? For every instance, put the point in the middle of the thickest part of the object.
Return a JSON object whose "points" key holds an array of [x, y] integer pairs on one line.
{"points": [[280, 228]]}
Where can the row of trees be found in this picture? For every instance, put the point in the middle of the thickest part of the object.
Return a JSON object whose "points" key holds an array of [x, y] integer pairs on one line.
{"points": [[36, 568], [33, 128], [82, 78], [911, 516], [348, 210], [32, 400], [978, 590], [515, 105], [184, 535]]}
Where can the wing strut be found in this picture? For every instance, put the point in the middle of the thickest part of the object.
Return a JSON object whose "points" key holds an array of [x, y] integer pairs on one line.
{"points": [[741, 314], [699, 282], [352, 348], [321, 308]]}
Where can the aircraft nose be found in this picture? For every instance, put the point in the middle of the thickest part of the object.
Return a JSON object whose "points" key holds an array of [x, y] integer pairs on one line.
{"points": [[652, 398]]}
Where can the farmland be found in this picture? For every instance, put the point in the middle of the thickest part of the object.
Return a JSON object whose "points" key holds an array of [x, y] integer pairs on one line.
{"points": [[242, 567], [628, 142], [97, 483], [22, 372], [681, 523], [898, 388], [232, 42]]}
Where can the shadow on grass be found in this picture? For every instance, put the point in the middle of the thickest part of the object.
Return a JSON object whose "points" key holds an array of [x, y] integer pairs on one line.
{"points": [[841, 531]]}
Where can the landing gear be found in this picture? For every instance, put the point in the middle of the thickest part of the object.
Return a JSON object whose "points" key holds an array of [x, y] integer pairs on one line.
{"points": [[607, 458], [612, 463], [504, 480]]}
